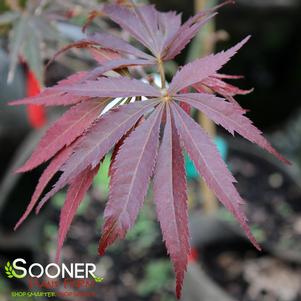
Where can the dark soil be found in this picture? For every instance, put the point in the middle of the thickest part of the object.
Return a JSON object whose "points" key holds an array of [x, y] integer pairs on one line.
{"points": [[273, 205], [273, 200], [251, 276]]}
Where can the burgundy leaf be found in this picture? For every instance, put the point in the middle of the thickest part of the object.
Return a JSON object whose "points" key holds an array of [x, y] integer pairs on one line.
{"points": [[114, 154], [74, 197], [200, 69], [118, 146], [93, 146], [171, 199], [64, 131], [210, 165], [112, 87], [230, 116], [46, 176], [133, 168]]}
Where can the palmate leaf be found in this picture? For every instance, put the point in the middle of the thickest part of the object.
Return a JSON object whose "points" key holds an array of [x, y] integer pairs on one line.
{"points": [[136, 158], [170, 198], [162, 33], [78, 142]]}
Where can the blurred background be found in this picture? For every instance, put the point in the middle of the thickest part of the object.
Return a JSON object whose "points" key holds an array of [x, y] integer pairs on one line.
{"points": [[223, 265]]}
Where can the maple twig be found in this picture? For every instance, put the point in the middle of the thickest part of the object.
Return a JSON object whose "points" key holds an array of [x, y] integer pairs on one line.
{"points": [[162, 73]]}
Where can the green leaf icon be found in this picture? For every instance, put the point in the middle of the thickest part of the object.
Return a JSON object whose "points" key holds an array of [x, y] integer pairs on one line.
{"points": [[9, 270], [98, 279]]}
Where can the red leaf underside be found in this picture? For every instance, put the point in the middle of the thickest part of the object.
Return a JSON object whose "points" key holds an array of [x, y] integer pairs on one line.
{"points": [[118, 146], [133, 168], [171, 199]]}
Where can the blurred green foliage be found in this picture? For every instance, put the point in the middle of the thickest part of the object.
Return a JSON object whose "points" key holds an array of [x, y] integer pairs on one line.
{"points": [[145, 231], [158, 275]]}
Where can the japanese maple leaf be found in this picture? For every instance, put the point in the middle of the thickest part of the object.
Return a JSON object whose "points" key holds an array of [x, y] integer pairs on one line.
{"points": [[161, 33], [78, 142]]}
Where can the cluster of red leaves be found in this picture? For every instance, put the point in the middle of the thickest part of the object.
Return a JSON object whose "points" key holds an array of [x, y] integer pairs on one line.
{"points": [[79, 140]]}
